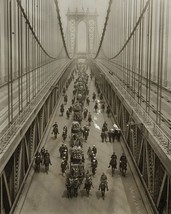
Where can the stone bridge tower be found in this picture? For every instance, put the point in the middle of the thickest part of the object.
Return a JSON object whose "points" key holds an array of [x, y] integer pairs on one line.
{"points": [[90, 20]]}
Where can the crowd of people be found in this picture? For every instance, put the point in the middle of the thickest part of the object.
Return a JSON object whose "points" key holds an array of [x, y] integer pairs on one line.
{"points": [[108, 134]]}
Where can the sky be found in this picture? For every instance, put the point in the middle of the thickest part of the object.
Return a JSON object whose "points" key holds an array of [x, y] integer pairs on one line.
{"points": [[100, 5]]}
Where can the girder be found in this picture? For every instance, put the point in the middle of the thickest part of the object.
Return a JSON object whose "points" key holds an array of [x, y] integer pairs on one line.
{"points": [[152, 163], [140, 58], [18, 154]]}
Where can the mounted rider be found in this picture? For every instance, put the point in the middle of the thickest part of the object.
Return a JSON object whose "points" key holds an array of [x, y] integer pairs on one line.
{"points": [[123, 161], [103, 180], [88, 184], [62, 109], [55, 125], [113, 161], [55, 129], [65, 99], [113, 156]]}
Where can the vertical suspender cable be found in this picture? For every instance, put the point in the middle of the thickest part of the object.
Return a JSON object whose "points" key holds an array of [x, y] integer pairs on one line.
{"points": [[8, 62], [19, 60], [142, 51], [167, 24], [147, 57], [26, 56], [21, 64], [150, 54], [161, 66]]}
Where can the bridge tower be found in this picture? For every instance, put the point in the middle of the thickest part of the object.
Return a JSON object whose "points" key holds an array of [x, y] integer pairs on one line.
{"points": [[90, 20]]}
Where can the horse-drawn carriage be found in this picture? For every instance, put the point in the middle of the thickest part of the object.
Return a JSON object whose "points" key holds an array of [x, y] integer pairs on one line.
{"points": [[77, 109], [77, 155], [77, 172], [76, 134], [75, 127]]}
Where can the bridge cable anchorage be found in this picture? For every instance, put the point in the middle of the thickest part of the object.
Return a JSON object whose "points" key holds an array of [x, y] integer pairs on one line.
{"points": [[61, 28], [104, 29]]}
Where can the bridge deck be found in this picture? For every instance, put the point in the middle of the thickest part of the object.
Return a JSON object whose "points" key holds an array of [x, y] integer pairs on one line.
{"points": [[46, 193]]}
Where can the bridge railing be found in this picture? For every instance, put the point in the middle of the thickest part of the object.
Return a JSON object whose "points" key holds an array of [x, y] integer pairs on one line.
{"points": [[163, 140], [16, 127]]}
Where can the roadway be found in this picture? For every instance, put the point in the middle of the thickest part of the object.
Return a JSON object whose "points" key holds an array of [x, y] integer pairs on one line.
{"points": [[46, 193], [165, 104]]}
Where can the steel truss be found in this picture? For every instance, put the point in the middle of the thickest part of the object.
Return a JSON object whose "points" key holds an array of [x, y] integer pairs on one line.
{"points": [[152, 166], [15, 165]]}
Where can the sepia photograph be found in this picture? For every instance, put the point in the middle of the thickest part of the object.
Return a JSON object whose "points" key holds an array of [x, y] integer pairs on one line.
{"points": [[85, 107]]}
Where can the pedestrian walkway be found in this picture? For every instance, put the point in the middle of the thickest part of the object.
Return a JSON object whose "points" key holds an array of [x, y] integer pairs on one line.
{"points": [[47, 192]]}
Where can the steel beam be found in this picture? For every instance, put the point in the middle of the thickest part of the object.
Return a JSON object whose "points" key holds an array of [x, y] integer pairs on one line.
{"points": [[17, 158], [150, 161]]}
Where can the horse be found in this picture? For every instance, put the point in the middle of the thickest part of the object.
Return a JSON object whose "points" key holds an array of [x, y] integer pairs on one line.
{"points": [[63, 167], [88, 184], [123, 167], [113, 164], [103, 186], [64, 134], [68, 186], [62, 110], [94, 166], [72, 187], [55, 131]]}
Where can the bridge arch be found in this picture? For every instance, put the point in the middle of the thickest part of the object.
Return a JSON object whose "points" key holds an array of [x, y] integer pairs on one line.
{"points": [[73, 21]]}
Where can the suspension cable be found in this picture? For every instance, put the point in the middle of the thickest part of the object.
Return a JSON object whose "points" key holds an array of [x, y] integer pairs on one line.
{"points": [[31, 28], [134, 29], [104, 29], [61, 28]]}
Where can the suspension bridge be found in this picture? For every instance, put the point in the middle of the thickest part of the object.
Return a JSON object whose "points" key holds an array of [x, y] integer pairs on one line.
{"points": [[128, 56]]}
